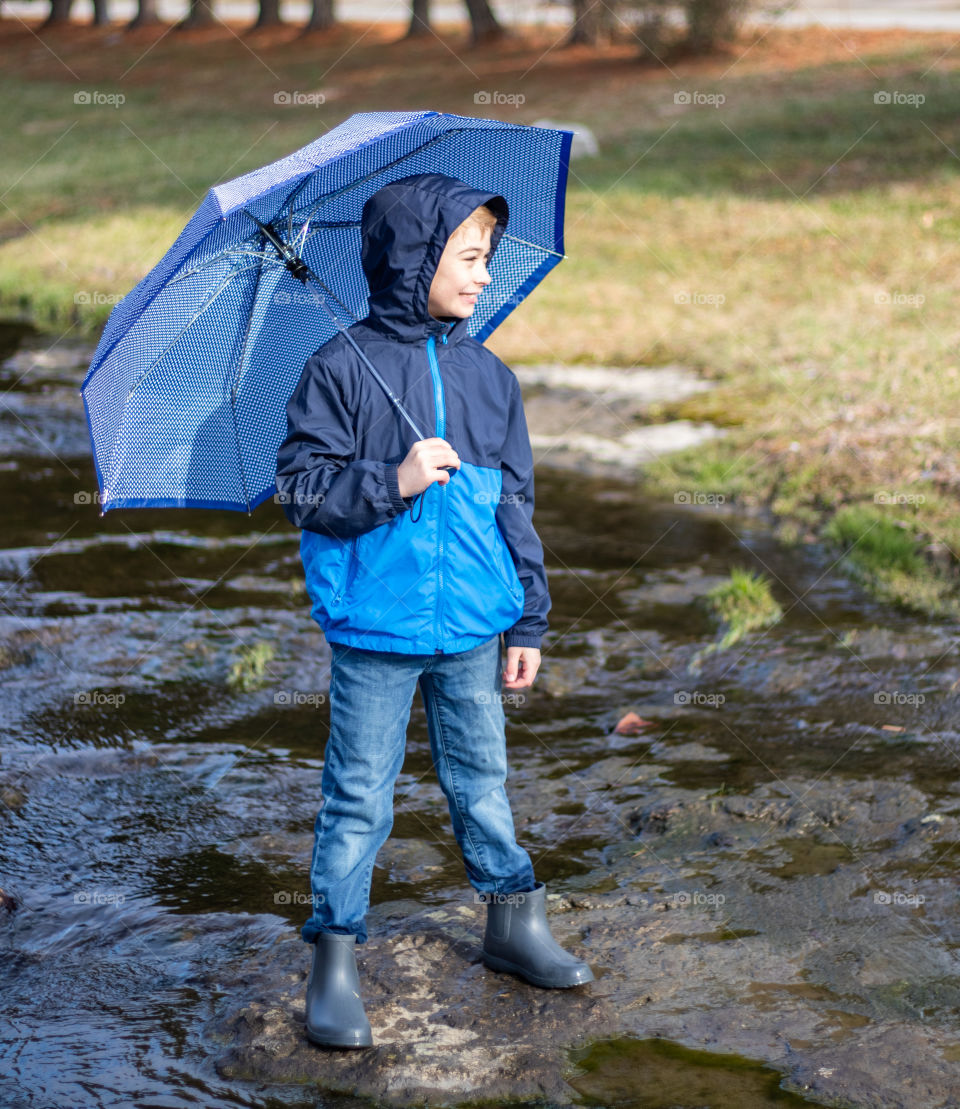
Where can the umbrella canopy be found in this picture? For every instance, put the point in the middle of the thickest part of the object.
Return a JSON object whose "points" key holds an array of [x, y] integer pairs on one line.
{"points": [[186, 393]]}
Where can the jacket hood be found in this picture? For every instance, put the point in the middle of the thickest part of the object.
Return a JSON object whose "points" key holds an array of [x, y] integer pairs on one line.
{"points": [[404, 228]]}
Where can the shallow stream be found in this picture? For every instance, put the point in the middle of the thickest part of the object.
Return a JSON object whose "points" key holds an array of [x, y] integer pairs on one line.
{"points": [[763, 875]]}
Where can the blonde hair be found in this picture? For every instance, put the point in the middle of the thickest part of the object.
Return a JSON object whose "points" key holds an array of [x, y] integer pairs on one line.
{"points": [[481, 217]]}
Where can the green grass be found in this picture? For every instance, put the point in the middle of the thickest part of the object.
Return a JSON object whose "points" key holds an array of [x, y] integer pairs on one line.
{"points": [[742, 604], [872, 541], [249, 669], [886, 555], [819, 216]]}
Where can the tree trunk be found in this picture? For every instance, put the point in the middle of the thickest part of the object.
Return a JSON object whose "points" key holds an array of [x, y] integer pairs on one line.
{"points": [[710, 22], [483, 23], [269, 14], [201, 14], [419, 19], [322, 16], [59, 13], [592, 21], [586, 19], [146, 14]]}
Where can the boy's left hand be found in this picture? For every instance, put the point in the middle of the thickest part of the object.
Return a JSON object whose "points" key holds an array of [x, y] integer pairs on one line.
{"points": [[521, 668]]}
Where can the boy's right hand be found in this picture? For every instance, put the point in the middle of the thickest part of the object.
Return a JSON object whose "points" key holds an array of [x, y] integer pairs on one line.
{"points": [[425, 464]]}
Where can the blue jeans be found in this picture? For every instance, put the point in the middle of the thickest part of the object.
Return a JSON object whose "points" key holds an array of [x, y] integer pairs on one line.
{"points": [[371, 693]]}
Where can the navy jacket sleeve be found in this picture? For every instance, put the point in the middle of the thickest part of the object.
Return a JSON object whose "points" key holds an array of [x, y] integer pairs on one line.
{"points": [[322, 486], [515, 518]]}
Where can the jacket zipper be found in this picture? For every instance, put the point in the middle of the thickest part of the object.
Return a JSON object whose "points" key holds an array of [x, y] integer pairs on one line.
{"points": [[439, 431]]}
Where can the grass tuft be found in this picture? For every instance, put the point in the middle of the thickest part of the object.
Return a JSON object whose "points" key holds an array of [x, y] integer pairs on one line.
{"points": [[249, 668]]}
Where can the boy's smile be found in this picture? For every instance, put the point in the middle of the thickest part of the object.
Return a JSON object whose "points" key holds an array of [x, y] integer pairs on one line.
{"points": [[462, 272]]}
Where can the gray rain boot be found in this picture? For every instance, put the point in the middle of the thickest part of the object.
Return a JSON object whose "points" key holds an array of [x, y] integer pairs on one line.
{"points": [[518, 940], [335, 1016]]}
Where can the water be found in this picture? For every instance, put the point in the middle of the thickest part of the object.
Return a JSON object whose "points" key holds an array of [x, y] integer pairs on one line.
{"points": [[155, 825]]}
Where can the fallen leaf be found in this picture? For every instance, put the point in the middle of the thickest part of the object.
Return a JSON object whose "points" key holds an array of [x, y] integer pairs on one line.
{"points": [[631, 724]]}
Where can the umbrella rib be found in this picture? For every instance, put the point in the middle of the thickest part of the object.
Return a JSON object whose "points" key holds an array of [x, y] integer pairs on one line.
{"points": [[375, 173], [305, 233], [235, 385], [266, 257], [186, 327], [217, 257], [534, 246]]}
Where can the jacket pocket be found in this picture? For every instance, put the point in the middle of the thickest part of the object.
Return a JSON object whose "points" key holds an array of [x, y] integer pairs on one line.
{"points": [[348, 571], [501, 556]]}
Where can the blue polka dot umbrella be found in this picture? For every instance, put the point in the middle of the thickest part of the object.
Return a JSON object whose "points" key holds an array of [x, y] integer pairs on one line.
{"points": [[186, 393]]}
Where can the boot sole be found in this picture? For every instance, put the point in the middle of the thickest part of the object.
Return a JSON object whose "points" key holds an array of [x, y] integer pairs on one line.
{"points": [[494, 962], [321, 1041]]}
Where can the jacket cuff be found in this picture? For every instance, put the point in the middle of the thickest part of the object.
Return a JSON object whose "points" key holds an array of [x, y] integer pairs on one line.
{"points": [[400, 504], [519, 639]]}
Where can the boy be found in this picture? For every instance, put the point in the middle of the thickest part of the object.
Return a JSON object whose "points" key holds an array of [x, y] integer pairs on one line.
{"points": [[418, 597]]}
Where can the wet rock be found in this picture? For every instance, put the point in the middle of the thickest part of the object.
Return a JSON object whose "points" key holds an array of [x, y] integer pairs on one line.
{"points": [[672, 587], [688, 752], [410, 860], [443, 1024], [653, 820], [12, 799], [883, 1067]]}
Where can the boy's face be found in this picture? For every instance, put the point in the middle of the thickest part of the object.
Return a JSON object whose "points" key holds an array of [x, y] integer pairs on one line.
{"points": [[461, 272]]}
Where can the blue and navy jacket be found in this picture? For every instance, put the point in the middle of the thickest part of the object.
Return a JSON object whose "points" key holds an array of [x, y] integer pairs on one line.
{"points": [[466, 564]]}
